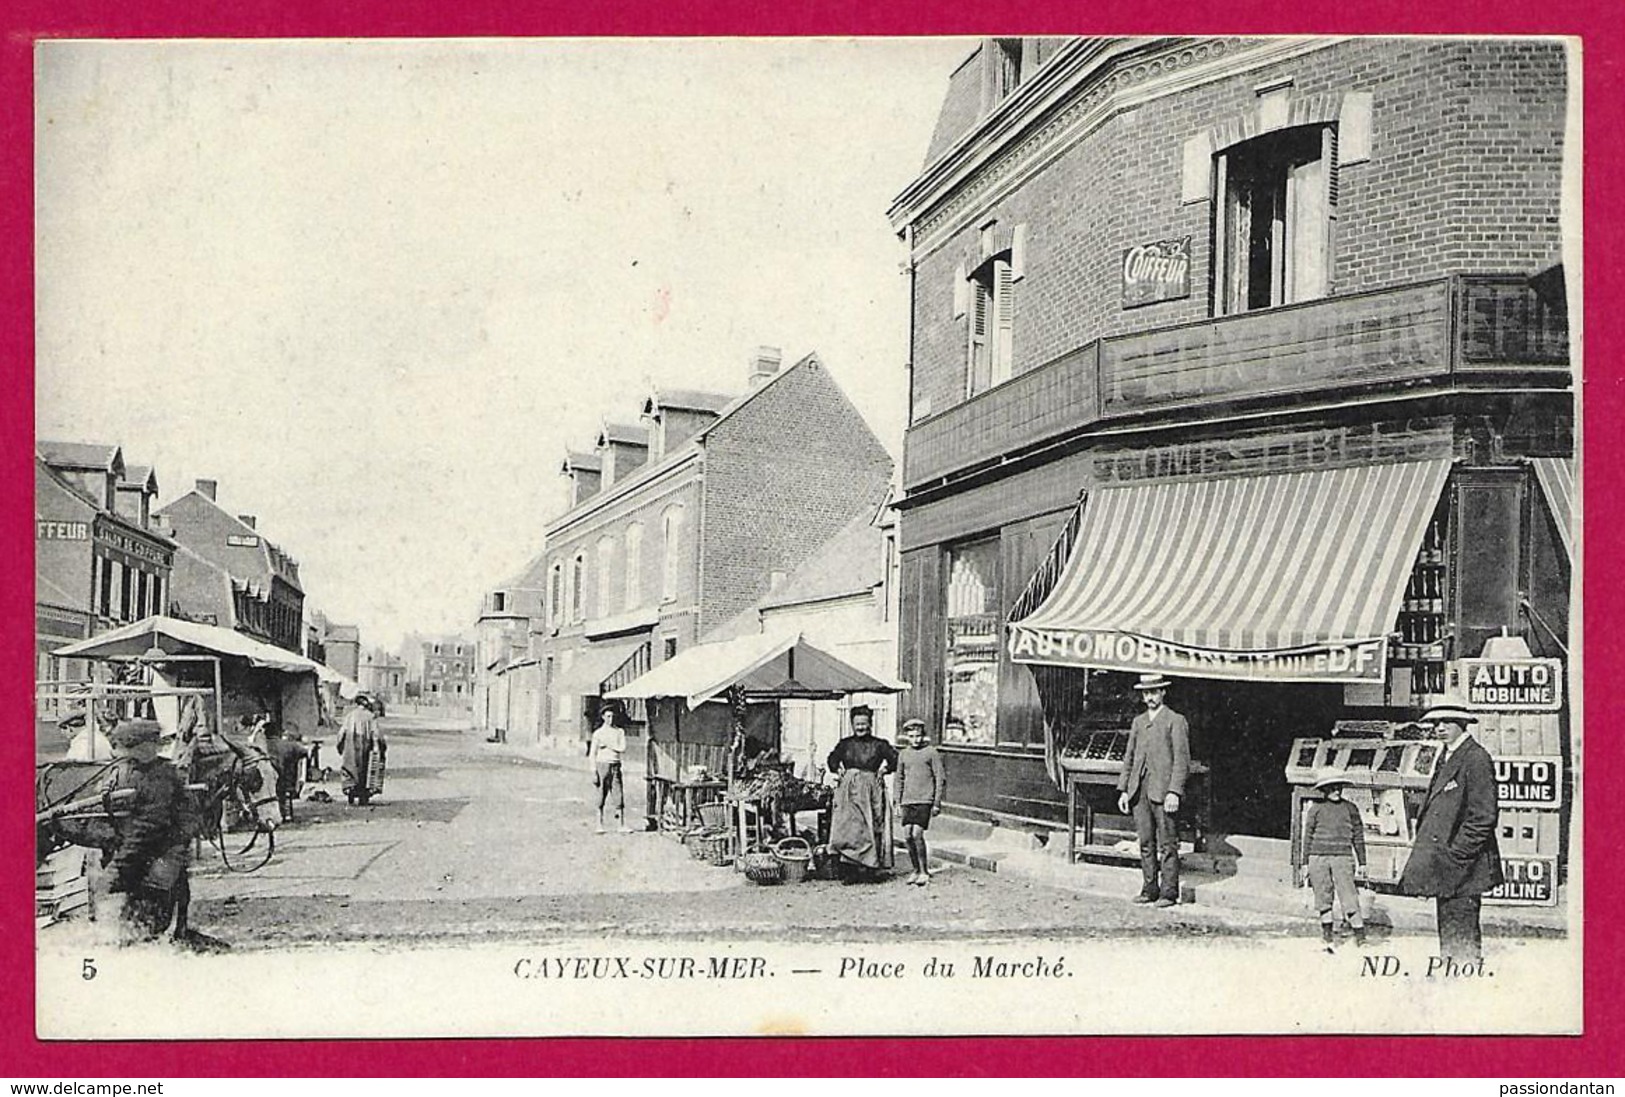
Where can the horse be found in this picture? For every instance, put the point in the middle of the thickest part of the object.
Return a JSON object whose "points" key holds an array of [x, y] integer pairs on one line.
{"points": [[75, 803]]}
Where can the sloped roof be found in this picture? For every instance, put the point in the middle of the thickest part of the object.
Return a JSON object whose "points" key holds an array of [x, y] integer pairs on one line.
{"points": [[624, 434], [589, 462], [139, 476], [768, 665], [77, 455], [688, 400], [733, 409], [188, 637], [850, 562]]}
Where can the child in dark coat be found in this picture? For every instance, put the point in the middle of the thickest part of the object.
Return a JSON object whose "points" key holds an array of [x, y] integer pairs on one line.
{"points": [[1333, 845]]}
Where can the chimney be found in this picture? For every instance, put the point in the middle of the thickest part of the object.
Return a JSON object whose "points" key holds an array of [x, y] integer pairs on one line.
{"points": [[246, 519], [764, 364], [207, 488]]}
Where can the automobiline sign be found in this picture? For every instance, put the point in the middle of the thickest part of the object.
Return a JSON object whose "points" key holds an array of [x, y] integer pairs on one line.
{"points": [[1529, 782], [1514, 685], [1105, 649], [1530, 882]]}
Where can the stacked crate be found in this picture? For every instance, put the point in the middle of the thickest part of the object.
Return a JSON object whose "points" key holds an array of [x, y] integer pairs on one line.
{"points": [[61, 885]]}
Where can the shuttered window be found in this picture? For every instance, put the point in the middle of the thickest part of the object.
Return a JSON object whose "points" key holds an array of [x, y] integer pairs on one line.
{"points": [[1276, 206], [991, 310]]}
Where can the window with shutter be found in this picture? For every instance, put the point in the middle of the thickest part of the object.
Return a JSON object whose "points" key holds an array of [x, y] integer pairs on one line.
{"points": [[1276, 198], [991, 325]]}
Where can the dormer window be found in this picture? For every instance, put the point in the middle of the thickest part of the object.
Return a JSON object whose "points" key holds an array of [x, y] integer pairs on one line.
{"points": [[1004, 61], [499, 604]]}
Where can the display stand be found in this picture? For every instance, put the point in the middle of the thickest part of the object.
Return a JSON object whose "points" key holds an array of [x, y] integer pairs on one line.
{"points": [[1080, 813]]}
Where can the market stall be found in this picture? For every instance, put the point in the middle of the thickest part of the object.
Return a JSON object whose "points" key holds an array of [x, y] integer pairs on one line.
{"points": [[714, 735]]}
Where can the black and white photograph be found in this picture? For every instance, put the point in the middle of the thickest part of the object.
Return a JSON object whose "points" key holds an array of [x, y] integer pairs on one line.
{"points": [[807, 536]]}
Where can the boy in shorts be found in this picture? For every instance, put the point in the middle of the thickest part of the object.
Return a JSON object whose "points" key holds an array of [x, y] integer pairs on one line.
{"points": [[921, 784]]}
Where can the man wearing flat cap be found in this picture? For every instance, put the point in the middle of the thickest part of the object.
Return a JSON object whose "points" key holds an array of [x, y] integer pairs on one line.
{"points": [[149, 864], [1156, 764], [1455, 857]]}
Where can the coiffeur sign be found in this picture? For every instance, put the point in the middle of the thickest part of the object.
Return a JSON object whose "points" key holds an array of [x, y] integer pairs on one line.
{"points": [[1351, 661], [1159, 271]]}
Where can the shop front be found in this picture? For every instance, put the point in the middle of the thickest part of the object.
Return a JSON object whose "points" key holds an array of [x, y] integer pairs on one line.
{"points": [[1321, 583]]}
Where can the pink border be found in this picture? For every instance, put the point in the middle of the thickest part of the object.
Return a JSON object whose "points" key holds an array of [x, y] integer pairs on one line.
{"points": [[1597, 1053]]}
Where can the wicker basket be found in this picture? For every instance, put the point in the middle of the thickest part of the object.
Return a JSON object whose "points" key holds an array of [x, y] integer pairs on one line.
{"points": [[762, 867], [713, 816], [795, 854], [714, 847]]}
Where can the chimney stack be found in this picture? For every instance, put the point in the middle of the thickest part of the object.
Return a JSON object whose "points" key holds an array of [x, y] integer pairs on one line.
{"points": [[207, 488], [247, 520], [764, 364]]}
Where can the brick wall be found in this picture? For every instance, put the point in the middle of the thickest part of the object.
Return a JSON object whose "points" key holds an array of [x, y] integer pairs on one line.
{"points": [[782, 475], [1464, 175]]}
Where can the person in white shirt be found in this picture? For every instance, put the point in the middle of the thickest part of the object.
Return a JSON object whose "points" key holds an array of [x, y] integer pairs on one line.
{"points": [[607, 746]]}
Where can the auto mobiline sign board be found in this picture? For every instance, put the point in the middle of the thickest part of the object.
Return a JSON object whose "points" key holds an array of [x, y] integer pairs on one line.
{"points": [[1529, 782], [1513, 685], [1530, 882]]}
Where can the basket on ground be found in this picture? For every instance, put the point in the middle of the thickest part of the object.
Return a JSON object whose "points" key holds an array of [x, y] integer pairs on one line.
{"points": [[795, 855], [713, 816], [714, 847], [762, 867]]}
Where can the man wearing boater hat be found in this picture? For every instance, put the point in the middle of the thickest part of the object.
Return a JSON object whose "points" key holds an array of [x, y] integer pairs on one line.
{"points": [[1155, 765], [1455, 857]]}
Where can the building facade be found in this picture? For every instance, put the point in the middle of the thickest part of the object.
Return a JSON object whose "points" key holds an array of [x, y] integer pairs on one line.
{"points": [[265, 598], [100, 561], [506, 684], [341, 650], [680, 525], [440, 669], [1239, 360], [383, 675]]}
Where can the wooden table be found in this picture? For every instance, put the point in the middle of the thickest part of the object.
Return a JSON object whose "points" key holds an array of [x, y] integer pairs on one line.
{"points": [[689, 795], [1196, 795]]}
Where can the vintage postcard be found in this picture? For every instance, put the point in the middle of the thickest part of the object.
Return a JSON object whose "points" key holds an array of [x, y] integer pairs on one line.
{"points": [[703, 537]]}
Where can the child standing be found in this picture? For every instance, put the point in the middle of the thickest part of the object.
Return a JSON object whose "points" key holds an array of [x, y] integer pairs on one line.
{"points": [[921, 784], [1333, 844]]}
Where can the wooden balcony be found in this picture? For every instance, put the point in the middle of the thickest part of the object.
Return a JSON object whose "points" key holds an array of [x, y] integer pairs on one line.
{"points": [[1448, 330]]}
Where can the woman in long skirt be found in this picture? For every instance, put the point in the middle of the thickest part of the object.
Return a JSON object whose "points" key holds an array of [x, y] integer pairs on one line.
{"points": [[364, 750], [860, 822]]}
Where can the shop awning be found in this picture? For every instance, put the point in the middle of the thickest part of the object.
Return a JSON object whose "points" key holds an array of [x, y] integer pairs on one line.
{"points": [[1288, 577], [768, 666], [1556, 476], [177, 637], [592, 665]]}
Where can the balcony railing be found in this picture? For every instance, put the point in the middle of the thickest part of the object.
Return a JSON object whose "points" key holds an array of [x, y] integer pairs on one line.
{"points": [[1427, 332]]}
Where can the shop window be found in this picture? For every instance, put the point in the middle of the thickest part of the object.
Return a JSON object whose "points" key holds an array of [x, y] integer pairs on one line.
{"points": [[972, 657], [991, 315], [1275, 201], [634, 565]]}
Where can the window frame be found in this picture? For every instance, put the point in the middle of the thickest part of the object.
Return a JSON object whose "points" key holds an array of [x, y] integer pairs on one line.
{"points": [[671, 536], [1292, 281], [990, 322]]}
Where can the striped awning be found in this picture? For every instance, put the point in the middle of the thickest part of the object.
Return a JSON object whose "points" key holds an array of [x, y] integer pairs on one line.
{"points": [[1556, 476], [1288, 577]]}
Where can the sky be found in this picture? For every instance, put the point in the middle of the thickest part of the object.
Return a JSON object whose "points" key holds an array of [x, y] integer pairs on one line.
{"points": [[376, 289]]}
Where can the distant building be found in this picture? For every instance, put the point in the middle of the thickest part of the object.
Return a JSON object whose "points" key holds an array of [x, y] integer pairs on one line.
{"points": [[342, 649], [441, 668], [680, 525], [383, 675], [266, 599], [99, 559], [507, 687]]}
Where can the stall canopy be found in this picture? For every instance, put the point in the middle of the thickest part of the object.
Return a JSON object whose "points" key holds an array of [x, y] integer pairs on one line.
{"points": [[177, 637], [1287, 576], [767, 666], [1556, 476]]}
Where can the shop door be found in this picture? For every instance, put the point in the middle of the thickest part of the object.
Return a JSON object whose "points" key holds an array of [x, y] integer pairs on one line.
{"points": [[1243, 731]]}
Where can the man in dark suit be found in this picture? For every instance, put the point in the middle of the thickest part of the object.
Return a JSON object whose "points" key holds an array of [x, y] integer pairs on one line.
{"points": [[1454, 857], [1155, 766]]}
